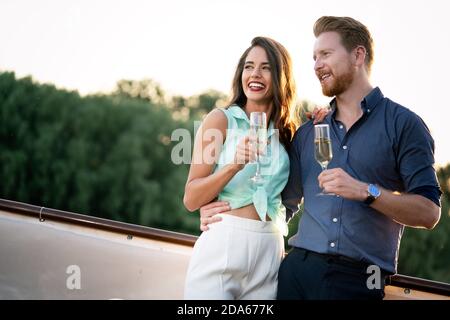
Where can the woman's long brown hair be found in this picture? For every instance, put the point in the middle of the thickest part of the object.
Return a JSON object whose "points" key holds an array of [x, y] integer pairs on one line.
{"points": [[284, 92]]}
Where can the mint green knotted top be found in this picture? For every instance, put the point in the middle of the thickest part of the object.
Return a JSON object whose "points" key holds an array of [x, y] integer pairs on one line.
{"points": [[240, 190]]}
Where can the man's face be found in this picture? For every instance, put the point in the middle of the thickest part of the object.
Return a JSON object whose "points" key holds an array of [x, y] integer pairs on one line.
{"points": [[333, 64]]}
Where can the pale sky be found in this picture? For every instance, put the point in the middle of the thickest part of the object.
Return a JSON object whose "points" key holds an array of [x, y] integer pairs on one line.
{"points": [[191, 46]]}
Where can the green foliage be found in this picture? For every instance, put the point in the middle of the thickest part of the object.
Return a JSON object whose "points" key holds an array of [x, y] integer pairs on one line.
{"points": [[182, 108], [426, 253], [147, 90], [107, 156]]}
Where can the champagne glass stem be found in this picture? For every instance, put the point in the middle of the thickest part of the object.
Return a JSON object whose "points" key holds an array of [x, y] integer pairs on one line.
{"points": [[258, 166], [258, 127]]}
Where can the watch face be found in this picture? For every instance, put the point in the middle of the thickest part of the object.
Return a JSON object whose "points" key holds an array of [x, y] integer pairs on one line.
{"points": [[373, 190]]}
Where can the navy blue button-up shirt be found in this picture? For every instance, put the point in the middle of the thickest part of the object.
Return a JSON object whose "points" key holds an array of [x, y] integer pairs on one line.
{"points": [[389, 146]]}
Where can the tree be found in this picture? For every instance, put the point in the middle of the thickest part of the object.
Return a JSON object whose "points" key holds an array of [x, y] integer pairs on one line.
{"points": [[146, 89], [104, 155], [426, 253]]}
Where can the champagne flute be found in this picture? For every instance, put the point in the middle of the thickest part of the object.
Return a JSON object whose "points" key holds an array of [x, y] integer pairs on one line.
{"points": [[323, 150], [258, 138]]}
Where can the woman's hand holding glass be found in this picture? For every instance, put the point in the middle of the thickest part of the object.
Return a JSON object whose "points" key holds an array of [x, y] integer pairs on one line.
{"points": [[245, 152]]}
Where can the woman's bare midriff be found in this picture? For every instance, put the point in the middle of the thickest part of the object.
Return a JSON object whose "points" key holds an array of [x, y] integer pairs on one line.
{"points": [[247, 212]]}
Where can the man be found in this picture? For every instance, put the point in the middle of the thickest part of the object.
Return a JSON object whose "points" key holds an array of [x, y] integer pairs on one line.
{"points": [[381, 173]]}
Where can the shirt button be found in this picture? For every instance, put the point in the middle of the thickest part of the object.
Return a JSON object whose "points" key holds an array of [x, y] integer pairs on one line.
{"points": [[332, 244], [368, 110], [334, 219], [344, 147], [341, 127]]}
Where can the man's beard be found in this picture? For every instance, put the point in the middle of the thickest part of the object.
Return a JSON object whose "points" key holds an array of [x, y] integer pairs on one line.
{"points": [[341, 84]]}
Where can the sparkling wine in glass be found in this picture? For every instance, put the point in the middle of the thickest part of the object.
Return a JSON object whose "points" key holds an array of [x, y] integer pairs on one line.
{"points": [[323, 150]]}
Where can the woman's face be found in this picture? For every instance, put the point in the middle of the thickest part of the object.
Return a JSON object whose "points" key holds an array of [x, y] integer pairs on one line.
{"points": [[257, 76]]}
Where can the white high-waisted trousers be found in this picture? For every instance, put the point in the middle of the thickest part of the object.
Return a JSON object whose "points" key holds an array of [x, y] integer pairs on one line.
{"points": [[237, 258]]}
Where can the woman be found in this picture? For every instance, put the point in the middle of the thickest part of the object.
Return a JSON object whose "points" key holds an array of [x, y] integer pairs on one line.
{"points": [[239, 257]]}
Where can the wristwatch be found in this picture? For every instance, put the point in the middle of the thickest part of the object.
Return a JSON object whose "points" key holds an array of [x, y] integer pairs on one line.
{"points": [[373, 192]]}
